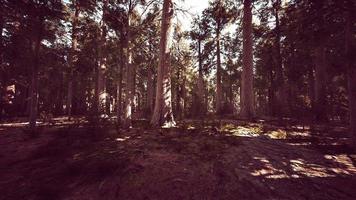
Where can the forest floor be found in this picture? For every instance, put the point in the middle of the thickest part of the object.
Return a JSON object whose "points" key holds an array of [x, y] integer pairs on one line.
{"points": [[226, 159]]}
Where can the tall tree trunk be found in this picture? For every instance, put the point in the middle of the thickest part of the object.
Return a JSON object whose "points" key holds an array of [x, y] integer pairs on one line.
{"points": [[219, 95], [311, 88], [352, 100], [129, 96], [119, 83], [34, 76], [183, 95], [72, 59], [178, 95], [96, 84], [150, 91], [200, 82], [280, 106], [150, 84], [162, 114], [102, 64], [350, 45], [320, 84], [247, 93], [2, 68], [271, 97]]}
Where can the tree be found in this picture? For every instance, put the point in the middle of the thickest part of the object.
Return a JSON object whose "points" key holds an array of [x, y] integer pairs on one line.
{"points": [[280, 106], [199, 34], [72, 57], [163, 114], [247, 94], [350, 47], [38, 12], [100, 88], [220, 13], [2, 71]]}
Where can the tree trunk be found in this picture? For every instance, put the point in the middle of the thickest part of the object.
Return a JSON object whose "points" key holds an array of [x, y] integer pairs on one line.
{"points": [[2, 70], [351, 67], [72, 59], [200, 82], [247, 93], [320, 84], [352, 101], [178, 95], [311, 88], [162, 114], [129, 97], [280, 106], [183, 95], [271, 97], [96, 84], [119, 83], [150, 91], [102, 65], [219, 96], [34, 77]]}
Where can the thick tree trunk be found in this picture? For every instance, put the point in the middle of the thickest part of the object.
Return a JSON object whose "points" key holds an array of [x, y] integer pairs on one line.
{"points": [[280, 106], [34, 77], [2, 70], [219, 95], [352, 101], [129, 96], [162, 114], [72, 59], [320, 84], [350, 45], [247, 93]]}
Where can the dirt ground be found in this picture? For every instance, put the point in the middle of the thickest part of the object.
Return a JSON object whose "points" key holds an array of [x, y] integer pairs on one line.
{"points": [[226, 159]]}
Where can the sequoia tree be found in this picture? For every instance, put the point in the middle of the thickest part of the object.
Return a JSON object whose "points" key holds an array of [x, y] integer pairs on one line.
{"points": [[162, 114], [247, 94]]}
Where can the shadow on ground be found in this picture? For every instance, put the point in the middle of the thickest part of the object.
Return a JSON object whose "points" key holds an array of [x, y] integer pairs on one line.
{"points": [[210, 160]]}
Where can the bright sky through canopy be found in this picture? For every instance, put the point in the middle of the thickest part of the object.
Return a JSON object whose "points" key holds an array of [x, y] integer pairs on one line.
{"points": [[195, 7]]}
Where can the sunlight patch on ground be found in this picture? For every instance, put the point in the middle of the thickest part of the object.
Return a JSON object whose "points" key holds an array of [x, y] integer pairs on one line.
{"points": [[53, 121], [122, 139], [277, 134], [300, 144], [343, 160], [190, 127], [269, 171], [242, 131], [300, 168], [309, 170], [302, 127], [300, 134]]}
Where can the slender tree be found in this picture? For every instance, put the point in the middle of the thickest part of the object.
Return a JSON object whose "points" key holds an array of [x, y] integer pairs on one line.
{"points": [[220, 14], [199, 34]]}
